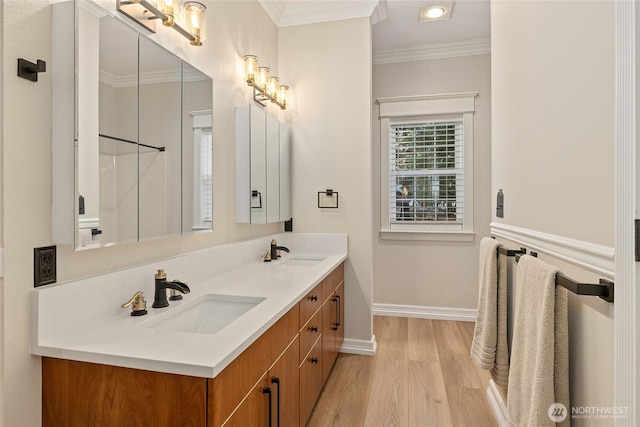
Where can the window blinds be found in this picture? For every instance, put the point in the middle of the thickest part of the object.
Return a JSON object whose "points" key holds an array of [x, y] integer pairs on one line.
{"points": [[206, 181], [426, 172]]}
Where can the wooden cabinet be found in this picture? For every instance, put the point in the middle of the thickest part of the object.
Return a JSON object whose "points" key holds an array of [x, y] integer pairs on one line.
{"points": [[311, 381], [284, 377], [333, 324], [89, 394], [311, 303], [274, 397], [229, 388], [254, 409], [287, 366]]}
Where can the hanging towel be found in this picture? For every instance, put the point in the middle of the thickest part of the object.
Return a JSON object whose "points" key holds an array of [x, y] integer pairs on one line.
{"points": [[489, 347], [539, 374]]}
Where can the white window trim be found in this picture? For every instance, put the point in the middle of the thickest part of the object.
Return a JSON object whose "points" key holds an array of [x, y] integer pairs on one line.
{"points": [[428, 106]]}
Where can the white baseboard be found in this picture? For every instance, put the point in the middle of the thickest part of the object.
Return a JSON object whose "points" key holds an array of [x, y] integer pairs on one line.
{"points": [[421, 312], [596, 258], [497, 404], [361, 347]]}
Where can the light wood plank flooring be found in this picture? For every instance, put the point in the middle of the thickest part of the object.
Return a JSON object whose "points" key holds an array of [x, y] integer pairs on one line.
{"points": [[421, 376]]}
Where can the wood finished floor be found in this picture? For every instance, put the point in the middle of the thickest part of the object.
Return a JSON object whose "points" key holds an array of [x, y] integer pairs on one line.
{"points": [[421, 375]]}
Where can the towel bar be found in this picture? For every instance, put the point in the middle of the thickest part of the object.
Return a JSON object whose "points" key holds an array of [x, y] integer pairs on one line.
{"points": [[604, 289], [511, 252]]}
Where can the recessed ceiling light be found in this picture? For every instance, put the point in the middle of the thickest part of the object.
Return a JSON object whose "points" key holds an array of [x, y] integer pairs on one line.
{"points": [[436, 12]]}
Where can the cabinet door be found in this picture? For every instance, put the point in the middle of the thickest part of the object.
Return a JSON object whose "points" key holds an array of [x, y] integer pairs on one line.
{"points": [[273, 171], [329, 351], [284, 377], [340, 316], [310, 381], [254, 410], [285, 173], [258, 174]]}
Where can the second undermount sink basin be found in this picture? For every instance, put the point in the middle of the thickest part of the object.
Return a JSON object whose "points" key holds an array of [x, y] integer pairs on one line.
{"points": [[296, 261], [206, 315]]}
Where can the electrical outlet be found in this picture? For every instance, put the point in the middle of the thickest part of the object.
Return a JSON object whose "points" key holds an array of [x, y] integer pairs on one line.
{"points": [[44, 266]]}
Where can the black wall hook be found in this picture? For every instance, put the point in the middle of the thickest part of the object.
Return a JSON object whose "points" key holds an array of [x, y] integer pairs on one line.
{"points": [[28, 70]]}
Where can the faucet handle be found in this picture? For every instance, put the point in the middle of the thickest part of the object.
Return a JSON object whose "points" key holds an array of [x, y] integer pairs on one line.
{"points": [[266, 256], [137, 303]]}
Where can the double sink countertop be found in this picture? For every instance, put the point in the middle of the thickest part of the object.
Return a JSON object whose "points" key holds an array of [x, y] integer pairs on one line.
{"points": [[149, 342]]}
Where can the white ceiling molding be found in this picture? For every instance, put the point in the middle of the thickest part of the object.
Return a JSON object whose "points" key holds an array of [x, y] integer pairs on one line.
{"points": [[287, 13], [379, 12], [432, 51], [274, 8]]}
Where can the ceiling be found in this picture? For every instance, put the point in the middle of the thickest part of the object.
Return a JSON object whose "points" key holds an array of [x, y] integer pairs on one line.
{"points": [[396, 31], [470, 21]]}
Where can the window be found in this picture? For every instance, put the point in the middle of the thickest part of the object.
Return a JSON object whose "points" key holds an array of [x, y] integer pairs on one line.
{"points": [[427, 167], [202, 171], [204, 186]]}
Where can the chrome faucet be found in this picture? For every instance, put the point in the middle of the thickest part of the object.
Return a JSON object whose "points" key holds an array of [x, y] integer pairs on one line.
{"points": [[160, 298]]}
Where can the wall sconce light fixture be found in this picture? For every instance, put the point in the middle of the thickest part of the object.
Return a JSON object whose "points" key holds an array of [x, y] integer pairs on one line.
{"points": [[265, 87], [195, 19], [146, 12]]}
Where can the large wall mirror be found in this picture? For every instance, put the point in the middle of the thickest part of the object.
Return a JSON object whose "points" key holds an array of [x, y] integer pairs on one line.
{"points": [[142, 126]]}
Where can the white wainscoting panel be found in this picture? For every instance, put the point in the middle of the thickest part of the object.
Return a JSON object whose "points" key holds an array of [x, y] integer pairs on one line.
{"points": [[592, 257]]}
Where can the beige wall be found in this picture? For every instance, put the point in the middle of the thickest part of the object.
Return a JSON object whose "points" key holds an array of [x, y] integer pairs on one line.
{"points": [[553, 107], [330, 119], [434, 274], [553, 154], [234, 28]]}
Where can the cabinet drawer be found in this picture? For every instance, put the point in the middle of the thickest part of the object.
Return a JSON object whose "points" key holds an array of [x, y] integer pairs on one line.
{"points": [[332, 281], [310, 333], [310, 381], [310, 304]]}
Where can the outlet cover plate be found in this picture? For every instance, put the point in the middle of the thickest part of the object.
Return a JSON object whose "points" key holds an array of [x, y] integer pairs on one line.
{"points": [[44, 266]]}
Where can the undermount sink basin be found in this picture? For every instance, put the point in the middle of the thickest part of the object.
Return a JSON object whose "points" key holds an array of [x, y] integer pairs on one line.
{"points": [[206, 315], [303, 261]]}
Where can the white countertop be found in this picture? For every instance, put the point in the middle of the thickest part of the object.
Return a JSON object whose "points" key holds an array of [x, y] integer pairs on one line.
{"points": [[125, 340]]}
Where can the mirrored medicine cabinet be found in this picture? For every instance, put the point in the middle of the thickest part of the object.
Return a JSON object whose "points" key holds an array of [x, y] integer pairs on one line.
{"points": [[263, 169], [132, 141]]}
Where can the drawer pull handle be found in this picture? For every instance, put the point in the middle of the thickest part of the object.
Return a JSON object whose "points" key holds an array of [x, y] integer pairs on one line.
{"points": [[336, 299], [314, 329], [314, 360], [276, 380], [314, 297], [267, 390]]}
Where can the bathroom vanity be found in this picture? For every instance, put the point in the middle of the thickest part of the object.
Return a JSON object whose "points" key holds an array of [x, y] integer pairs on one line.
{"points": [[267, 365]]}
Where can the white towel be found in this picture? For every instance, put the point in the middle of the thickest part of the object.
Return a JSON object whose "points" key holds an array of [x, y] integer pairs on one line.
{"points": [[539, 374], [489, 347]]}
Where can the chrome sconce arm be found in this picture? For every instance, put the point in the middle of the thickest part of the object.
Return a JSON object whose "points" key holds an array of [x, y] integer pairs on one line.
{"points": [[146, 14]]}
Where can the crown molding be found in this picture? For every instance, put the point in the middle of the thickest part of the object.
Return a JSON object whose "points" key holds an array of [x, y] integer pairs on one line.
{"points": [[432, 51], [379, 12], [150, 77], [274, 8], [302, 13], [285, 13]]}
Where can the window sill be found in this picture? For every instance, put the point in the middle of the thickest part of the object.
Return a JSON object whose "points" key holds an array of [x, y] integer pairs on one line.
{"points": [[433, 236]]}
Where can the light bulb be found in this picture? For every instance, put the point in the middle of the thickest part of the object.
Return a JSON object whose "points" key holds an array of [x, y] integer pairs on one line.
{"points": [[250, 66], [195, 18], [263, 77]]}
